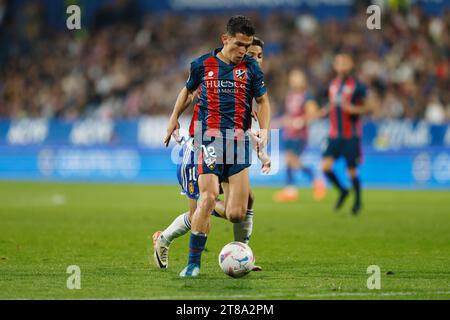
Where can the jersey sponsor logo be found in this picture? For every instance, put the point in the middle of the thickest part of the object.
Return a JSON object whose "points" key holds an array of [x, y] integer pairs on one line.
{"points": [[223, 84]]}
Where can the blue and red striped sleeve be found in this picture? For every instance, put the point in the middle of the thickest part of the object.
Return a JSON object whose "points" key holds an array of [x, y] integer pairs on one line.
{"points": [[195, 76], [258, 87]]}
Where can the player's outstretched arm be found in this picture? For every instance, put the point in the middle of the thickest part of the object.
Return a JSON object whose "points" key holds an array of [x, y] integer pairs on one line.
{"points": [[266, 163], [184, 99], [263, 118]]}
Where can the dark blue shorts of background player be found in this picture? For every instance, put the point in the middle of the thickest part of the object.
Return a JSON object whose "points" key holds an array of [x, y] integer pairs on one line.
{"points": [[296, 146], [349, 149]]}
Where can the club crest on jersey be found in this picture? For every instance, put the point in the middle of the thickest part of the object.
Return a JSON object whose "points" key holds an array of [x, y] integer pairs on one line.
{"points": [[240, 74], [212, 166], [210, 162], [209, 156]]}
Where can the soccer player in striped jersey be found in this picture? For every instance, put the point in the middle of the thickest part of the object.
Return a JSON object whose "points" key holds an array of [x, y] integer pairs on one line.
{"points": [[228, 81], [347, 103], [188, 177], [188, 180], [300, 110]]}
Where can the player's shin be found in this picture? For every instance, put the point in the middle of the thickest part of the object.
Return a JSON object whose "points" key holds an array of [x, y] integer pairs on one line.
{"points": [[332, 177], [199, 230], [177, 228], [196, 247], [308, 172], [243, 229], [357, 187], [219, 210]]}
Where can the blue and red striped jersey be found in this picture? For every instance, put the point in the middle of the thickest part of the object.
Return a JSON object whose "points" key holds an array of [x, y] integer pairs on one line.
{"points": [[225, 93], [342, 92], [295, 108]]}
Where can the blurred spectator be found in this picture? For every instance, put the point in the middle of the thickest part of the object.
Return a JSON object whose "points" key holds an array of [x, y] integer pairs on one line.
{"points": [[435, 112]]}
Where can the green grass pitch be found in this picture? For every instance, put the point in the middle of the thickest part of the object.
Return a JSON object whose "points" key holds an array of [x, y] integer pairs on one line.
{"points": [[307, 251]]}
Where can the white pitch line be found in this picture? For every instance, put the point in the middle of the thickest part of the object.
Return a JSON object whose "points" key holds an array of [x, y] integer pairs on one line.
{"points": [[306, 295]]}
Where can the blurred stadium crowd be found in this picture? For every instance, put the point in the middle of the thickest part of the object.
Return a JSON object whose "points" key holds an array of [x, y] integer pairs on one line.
{"points": [[126, 65]]}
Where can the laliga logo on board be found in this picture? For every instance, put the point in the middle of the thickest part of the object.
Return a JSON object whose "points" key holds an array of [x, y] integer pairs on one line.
{"points": [[240, 74]]}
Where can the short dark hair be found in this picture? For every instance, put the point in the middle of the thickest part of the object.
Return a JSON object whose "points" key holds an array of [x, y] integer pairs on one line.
{"points": [[240, 24], [258, 42]]}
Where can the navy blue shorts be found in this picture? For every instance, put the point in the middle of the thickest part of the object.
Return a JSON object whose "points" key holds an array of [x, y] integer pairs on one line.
{"points": [[350, 149], [297, 146], [223, 157]]}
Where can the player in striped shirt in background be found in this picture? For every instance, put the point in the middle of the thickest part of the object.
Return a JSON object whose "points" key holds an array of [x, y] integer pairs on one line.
{"points": [[347, 103], [300, 110]]}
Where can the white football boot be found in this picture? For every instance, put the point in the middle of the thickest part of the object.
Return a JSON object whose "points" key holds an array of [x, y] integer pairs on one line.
{"points": [[160, 251]]}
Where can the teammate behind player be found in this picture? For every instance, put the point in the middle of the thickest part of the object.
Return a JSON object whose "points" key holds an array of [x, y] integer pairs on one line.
{"points": [[300, 109], [228, 82], [187, 177], [347, 103], [256, 50]]}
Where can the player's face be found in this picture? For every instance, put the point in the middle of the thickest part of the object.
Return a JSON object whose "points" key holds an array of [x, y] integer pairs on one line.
{"points": [[256, 52], [343, 64], [237, 46]]}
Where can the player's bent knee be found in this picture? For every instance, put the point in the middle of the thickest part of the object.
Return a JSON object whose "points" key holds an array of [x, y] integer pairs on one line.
{"points": [[236, 214], [208, 200]]}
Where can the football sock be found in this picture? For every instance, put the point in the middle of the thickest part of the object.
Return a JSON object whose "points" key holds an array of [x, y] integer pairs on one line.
{"points": [[357, 186], [290, 176], [243, 230], [196, 247], [330, 175], [177, 228], [309, 172]]}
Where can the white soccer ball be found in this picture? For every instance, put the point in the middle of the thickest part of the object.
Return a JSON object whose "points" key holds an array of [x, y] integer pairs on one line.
{"points": [[236, 259]]}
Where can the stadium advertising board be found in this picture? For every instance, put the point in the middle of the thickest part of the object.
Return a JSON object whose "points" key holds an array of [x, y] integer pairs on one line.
{"points": [[398, 154]]}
